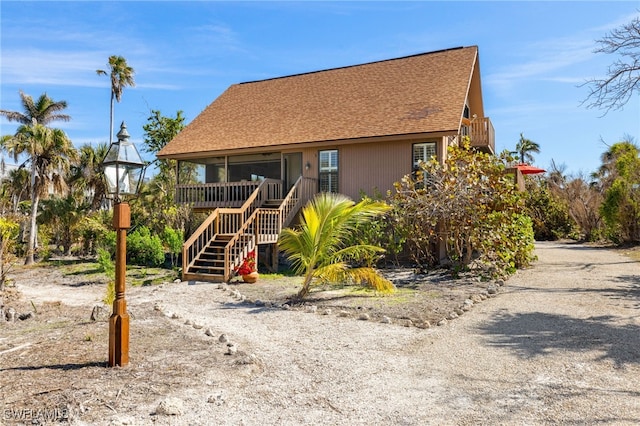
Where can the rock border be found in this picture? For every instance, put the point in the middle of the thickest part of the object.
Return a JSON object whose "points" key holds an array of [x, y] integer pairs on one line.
{"points": [[492, 289]]}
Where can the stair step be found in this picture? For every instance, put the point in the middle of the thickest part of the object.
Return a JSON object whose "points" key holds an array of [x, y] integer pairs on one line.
{"points": [[214, 251], [209, 263], [217, 243], [207, 260], [200, 268], [203, 277], [271, 203]]}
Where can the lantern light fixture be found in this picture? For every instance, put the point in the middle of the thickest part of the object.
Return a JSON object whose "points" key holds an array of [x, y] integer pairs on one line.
{"points": [[123, 166]]}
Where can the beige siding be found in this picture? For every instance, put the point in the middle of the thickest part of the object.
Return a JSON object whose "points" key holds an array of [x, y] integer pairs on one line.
{"points": [[372, 167]]}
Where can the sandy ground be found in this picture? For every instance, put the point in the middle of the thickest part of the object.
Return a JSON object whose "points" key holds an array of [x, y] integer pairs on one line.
{"points": [[558, 344]]}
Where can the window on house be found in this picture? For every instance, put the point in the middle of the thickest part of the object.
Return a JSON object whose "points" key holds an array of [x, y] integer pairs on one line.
{"points": [[423, 152], [328, 170], [464, 131]]}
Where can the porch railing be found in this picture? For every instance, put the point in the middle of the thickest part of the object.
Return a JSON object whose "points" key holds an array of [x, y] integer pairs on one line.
{"points": [[248, 225], [212, 195], [271, 221], [481, 133]]}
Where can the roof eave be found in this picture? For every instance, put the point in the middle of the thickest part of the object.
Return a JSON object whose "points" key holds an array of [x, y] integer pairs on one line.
{"points": [[312, 144]]}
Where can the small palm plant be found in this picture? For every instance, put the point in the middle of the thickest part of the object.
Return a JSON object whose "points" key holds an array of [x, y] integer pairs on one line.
{"points": [[316, 248]]}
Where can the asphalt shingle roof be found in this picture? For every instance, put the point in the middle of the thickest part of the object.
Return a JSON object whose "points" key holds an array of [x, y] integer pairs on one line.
{"points": [[414, 94]]}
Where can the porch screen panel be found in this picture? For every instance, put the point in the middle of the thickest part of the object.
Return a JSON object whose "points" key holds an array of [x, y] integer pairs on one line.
{"points": [[423, 152], [328, 170]]}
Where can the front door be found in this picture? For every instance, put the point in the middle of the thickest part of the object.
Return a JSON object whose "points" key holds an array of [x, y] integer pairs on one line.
{"points": [[292, 169]]}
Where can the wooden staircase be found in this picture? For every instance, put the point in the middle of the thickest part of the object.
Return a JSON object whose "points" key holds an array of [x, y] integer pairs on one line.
{"points": [[211, 259], [225, 238]]}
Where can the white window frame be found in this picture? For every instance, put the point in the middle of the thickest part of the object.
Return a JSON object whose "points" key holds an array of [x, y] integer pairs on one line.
{"points": [[428, 150], [328, 170]]}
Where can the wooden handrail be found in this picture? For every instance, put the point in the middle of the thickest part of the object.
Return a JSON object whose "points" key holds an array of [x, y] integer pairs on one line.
{"points": [[268, 189], [239, 247], [271, 221], [207, 230], [299, 194]]}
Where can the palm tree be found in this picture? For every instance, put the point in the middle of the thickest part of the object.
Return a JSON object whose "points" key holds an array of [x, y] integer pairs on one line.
{"points": [[121, 76], [525, 147], [16, 187], [63, 214], [316, 248], [88, 174], [43, 111], [50, 153]]}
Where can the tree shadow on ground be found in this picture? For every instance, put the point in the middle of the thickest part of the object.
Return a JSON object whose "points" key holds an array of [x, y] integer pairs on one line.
{"points": [[84, 283], [538, 334], [510, 396], [69, 366], [629, 290]]}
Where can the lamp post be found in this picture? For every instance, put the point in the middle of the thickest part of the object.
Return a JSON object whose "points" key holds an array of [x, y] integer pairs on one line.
{"points": [[124, 171]]}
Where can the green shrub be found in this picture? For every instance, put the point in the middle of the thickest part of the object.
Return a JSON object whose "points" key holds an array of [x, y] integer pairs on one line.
{"points": [[469, 204], [108, 242], [173, 240], [506, 243], [144, 249], [9, 230], [378, 231], [550, 215], [93, 230], [108, 268]]}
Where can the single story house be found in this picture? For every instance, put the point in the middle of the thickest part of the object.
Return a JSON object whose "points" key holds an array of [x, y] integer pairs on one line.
{"points": [[263, 148]]}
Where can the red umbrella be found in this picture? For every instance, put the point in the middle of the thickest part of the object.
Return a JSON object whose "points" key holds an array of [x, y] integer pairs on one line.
{"points": [[527, 169]]}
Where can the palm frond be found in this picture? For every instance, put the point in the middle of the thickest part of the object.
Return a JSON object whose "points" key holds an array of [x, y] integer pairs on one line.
{"points": [[371, 278]]}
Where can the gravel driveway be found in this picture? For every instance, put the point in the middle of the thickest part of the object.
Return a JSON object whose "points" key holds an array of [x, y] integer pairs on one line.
{"points": [[559, 344]]}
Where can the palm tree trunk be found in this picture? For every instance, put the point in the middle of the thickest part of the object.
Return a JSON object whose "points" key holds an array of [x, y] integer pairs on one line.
{"points": [[306, 285], [111, 120], [33, 227]]}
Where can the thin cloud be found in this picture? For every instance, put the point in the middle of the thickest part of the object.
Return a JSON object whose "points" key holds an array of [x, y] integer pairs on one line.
{"points": [[217, 35], [551, 59], [545, 58], [50, 68]]}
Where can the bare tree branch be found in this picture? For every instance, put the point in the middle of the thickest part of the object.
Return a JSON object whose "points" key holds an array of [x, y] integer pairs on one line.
{"points": [[623, 76]]}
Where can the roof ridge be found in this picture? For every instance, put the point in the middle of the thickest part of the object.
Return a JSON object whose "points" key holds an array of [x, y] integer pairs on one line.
{"points": [[355, 65]]}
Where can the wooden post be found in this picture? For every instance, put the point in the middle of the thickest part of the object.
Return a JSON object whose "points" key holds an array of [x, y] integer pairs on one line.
{"points": [[119, 320]]}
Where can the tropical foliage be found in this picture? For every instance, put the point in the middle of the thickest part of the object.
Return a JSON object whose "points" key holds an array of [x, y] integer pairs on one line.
{"points": [[50, 154], [621, 206], [144, 249], [525, 147], [548, 211], [42, 111], [317, 249], [8, 235], [467, 206]]}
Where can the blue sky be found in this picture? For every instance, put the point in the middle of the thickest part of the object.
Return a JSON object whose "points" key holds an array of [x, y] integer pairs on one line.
{"points": [[533, 56]]}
